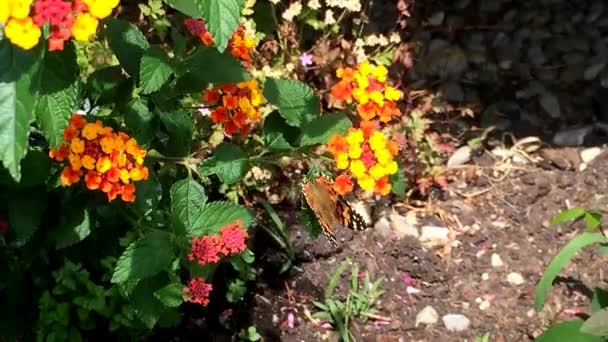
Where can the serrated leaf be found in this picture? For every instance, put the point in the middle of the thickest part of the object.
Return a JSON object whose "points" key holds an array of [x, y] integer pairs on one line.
{"points": [[296, 101], [25, 211], [144, 258], [155, 70], [226, 69], [215, 215], [319, 130], [187, 7], [140, 120], [277, 135], [567, 331], [19, 86], [597, 324], [127, 43], [35, 171], [187, 199], [147, 307], [74, 226], [221, 19], [180, 128], [568, 215], [108, 85], [398, 184], [231, 163], [170, 295], [561, 260]]}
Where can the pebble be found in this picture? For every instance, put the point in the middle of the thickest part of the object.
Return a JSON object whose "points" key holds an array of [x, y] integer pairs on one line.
{"points": [[588, 154], [456, 322], [403, 225], [485, 276], [428, 316], [496, 260], [383, 227], [515, 278], [433, 236], [484, 305], [460, 156]]}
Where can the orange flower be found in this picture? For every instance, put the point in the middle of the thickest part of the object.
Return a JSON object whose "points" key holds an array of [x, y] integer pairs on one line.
{"points": [[211, 96], [343, 184], [342, 91], [383, 186], [368, 127], [128, 193], [69, 176], [337, 144], [92, 180]]}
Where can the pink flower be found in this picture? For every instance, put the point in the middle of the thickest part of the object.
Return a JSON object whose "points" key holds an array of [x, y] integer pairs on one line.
{"points": [[198, 291], [306, 59], [205, 249], [233, 238]]}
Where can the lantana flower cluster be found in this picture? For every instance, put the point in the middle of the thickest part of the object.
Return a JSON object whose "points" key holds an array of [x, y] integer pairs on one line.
{"points": [[367, 155], [366, 86], [209, 249], [109, 161], [23, 20], [237, 106], [239, 45]]}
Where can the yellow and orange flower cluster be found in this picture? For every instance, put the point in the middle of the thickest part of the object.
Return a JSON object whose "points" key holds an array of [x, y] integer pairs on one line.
{"points": [[24, 20], [110, 161], [239, 45], [366, 85], [366, 154], [237, 106]]}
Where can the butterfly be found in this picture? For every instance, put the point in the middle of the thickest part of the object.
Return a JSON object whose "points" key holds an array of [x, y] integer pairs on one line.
{"points": [[331, 209]]}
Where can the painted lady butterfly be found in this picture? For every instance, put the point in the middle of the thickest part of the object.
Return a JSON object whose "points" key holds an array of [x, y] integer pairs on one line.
{"points": [[331, 209]]}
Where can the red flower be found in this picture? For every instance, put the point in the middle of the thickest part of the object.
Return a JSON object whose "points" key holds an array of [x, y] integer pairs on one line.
{"points": [[367, 157], [205, 249], [343, 184], [198, 291], [233, 238]]}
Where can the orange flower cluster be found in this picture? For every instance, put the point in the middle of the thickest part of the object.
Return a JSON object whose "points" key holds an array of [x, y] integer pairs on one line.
{"points": [[366, 85], [237, 106], [368, 156], [239, 45], [110, 161]]}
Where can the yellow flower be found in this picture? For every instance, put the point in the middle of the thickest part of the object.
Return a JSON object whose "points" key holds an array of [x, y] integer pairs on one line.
{"points": [[380, 73], [377, 140], [136, 174], [361, 95], [245, 105], [355, 151], [377, 171], [107, 144], [383, 156], [124, 176], [5, 11], [391, 168], [88, 162], [366, 182], [362, 81], [342, 161], [20, 9], [90, 131], [365, 69], [355, 137], [357, 168], [101, 8], [377, 97], [77, 145], [392, 94], [22, 32], [103, 164], [84, 27]]}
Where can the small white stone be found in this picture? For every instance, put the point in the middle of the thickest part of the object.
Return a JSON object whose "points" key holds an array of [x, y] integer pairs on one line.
{"points": [[496, 260], [460, 156], [433, 236], [383, 227], [456, 322], [515, 278], [485, 276], [428, 316], [402, 225], [531, 313], [484, 305], [588, 154]]}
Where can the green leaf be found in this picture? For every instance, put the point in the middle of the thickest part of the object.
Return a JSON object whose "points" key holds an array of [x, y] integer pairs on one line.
{"points": [[592, 220], [144, 257], [180, 128], [108, 85], [567, 331], [221, 19], [236, 291], [398, 184], [19, 86], [25, 211], [597, 324], [231, 163], [170, 295], [188, 7], [319, 130], [35, 171], [147, 307], [155, 70], [296, 101], [140, 120], [127, 43], [74, 225], [277, 134], [179, 42], [59, 94], [215, 215], [599, 300], [568, 215], [561, 260], [187, 199], [225, 68]]}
